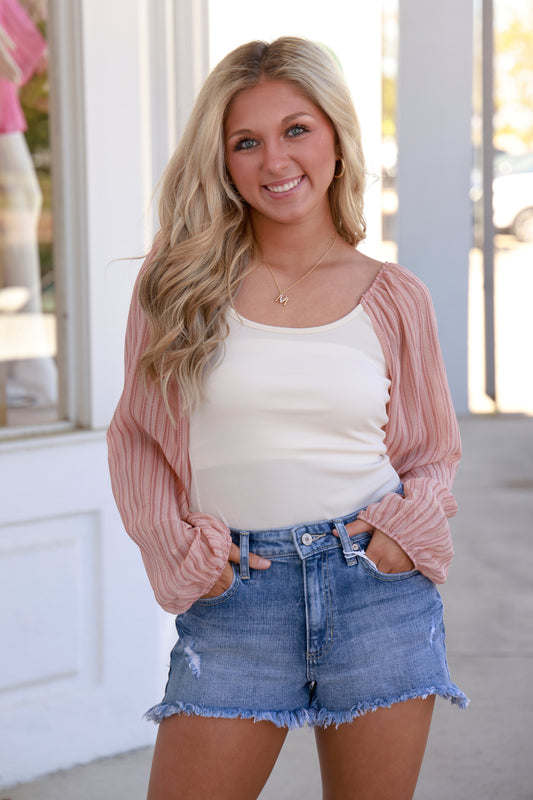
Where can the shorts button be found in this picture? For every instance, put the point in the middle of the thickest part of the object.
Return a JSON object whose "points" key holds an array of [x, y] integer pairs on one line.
{"points": [[355, 546], [307, 538]]}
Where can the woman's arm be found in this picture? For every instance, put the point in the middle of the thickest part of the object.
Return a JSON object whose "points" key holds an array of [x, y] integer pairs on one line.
{"points": [[422, 434], [184, 554]]}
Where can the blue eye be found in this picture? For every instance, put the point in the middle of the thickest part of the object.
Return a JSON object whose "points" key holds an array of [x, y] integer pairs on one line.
{"points": [[297, 130], [246, 143]]}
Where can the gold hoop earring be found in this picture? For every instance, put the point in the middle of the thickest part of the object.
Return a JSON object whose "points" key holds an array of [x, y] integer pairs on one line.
{"points": [[343, 167]]}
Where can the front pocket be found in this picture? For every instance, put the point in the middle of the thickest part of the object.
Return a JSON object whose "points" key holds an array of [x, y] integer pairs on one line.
{"points": [[371, 568], [221, 598], [362, 540]]}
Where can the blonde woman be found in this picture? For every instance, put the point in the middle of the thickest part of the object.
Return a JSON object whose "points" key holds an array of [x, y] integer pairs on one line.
{"points": [[284, 448]]}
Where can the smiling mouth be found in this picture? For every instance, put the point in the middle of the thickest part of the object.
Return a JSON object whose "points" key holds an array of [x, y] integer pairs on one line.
{"points": [[284, 187]]}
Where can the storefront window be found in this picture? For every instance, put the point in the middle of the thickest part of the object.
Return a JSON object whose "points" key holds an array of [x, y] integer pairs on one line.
{"points": [[28, 346]]}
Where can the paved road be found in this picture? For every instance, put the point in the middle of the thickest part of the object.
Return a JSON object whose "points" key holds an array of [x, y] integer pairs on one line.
{"points": [[513, 292]]}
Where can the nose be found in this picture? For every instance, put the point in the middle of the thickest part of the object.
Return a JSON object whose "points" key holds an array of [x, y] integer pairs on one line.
{"points": [[275, 157]]}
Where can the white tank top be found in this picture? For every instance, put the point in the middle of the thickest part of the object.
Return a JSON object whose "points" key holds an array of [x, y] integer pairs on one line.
{"points": [[291, 430]]}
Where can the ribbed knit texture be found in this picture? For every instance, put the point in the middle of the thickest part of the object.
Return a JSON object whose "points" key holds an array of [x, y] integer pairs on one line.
{"points": [[184, 553], [422, 435]]}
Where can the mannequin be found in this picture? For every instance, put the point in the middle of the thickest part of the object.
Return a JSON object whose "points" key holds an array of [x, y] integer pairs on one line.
{"points": [[32, 381]]}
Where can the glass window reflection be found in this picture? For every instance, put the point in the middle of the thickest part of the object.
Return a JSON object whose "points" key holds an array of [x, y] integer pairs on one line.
{"points": [[28, 369]]}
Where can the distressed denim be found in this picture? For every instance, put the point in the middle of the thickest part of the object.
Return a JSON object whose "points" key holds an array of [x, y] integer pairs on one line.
{"points": [[320, 637]]}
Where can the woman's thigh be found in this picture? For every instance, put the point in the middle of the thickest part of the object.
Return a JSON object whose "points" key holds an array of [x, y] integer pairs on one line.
{"points": [[377, 756], [205, 757]]}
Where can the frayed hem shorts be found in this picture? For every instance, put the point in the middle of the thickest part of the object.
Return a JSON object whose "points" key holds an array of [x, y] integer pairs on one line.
{"points": [[318, 638]]}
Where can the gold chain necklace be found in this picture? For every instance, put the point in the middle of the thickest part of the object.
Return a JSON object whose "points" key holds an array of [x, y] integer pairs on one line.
{"points": [[282, 298]]}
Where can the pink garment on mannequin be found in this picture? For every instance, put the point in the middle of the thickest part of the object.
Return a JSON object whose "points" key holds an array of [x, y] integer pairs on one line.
{"points": [[31, 381], [28, 51]]}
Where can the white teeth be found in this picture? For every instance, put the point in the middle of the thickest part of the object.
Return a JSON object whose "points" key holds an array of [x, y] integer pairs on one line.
{"points": [[286, 186]]}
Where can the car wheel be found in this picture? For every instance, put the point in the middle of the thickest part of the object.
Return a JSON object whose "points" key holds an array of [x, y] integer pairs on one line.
{"points": [[523, 226]]}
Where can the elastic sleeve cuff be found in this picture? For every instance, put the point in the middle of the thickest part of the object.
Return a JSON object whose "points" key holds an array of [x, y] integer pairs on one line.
{"points": [[421, 530]]}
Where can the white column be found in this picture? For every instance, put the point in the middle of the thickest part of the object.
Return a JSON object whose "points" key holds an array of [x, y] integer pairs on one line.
{"points": [[434, 163], [140, 72]]}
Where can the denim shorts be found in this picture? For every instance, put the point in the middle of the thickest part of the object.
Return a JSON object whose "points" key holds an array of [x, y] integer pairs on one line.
{"points": [[319, 637]]}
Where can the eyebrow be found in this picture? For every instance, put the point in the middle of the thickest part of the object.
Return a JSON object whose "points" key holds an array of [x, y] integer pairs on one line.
{"points": [[284, 121]]}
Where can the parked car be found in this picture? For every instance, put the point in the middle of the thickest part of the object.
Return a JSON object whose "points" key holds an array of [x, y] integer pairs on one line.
{"points": [[513, 195]]}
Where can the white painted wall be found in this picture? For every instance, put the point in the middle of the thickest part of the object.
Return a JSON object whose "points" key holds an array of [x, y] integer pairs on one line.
{"points": [[434, 163], [79, 656]]}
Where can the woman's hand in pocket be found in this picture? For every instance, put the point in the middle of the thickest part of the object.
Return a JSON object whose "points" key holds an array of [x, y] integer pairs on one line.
{"points": [[224, 580], [387, 554], [383, 551]]}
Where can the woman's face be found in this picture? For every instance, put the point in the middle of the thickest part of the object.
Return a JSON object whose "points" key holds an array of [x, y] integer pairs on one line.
{"points": [[280, 153]]}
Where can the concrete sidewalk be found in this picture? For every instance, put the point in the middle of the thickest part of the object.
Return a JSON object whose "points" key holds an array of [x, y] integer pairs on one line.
{"points": [[483, 753]]}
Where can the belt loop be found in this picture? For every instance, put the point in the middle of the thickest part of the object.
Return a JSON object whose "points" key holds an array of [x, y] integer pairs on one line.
{"points": [[347, 546], [244, 565]]}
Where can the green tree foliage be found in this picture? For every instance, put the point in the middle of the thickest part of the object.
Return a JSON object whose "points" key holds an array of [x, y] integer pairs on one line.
{"points": [[34, 98], [514, 77]]}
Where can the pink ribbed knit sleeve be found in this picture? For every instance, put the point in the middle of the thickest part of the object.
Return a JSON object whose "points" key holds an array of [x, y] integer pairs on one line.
{"points": [[183, 553], [422, 435]]}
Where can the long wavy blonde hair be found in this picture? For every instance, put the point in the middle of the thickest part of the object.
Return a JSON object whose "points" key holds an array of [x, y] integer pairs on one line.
{"points": [[205, 243]]}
